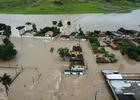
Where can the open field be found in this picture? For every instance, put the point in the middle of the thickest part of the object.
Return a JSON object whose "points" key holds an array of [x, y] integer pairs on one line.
{"points": [[69, 7], [42, 77]]}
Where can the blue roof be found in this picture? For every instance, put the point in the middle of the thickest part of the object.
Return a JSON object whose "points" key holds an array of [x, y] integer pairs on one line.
{"points": [[76, 71]]}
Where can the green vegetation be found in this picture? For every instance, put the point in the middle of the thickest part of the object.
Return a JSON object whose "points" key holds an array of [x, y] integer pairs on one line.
{"points": [[7, 50], [94, 43], [67, 6], [130, 49], [42, 32], [107, 57], [6, 81], [60, 24], [6, 30], [54, 22], [63, 53], [110, 57]]}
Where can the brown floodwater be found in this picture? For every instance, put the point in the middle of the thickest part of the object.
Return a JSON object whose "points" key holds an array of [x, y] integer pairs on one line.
{"points": [[88, 22], [43, 78]]}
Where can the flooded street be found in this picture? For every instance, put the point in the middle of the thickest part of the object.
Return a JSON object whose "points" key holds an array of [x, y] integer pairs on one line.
{"points": [[43, 78], [88, 22]]}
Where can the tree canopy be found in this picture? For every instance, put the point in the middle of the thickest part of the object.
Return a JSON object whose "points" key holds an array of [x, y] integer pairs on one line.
{"points": [[6, 81], [63, 52], [7, 50]]}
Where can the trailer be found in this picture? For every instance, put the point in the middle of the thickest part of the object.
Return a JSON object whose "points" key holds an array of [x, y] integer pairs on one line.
{"points": [[73, 72]]}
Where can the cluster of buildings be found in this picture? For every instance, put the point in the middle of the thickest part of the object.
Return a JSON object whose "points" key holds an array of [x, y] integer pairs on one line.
{"points": [[77, 65], [124, 86]]}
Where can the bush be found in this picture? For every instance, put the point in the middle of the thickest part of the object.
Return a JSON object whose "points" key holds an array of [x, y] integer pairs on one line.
{"points": [[138, 58], [60, 24], [7, 31], [54, 22], [68, 23], [94, 46], [34, 28], [28, 23], [94, 40], [102, 50]]}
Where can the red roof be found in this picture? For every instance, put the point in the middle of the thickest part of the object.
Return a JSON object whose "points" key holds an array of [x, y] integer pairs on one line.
{"points": [[113, 45]]}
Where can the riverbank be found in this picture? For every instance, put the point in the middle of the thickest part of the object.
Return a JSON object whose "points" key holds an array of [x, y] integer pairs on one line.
{"points": [[88, 22], [47, 7]]}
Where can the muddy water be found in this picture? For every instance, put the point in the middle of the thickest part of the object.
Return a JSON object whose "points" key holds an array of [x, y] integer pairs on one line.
{"points": [[88, 22], [43, 78], [34, 56]]}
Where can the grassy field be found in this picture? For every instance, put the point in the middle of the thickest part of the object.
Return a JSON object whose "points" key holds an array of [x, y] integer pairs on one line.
{"points": [[69, 7]]}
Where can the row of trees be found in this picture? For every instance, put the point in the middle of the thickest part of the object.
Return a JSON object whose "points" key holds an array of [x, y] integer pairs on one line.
{"points": [[42, 32], [60, 24], [7, 52]]}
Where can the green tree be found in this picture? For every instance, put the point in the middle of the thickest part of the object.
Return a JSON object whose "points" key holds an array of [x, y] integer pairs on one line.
{"points": [[63, 53], [60, 24], [7, 50], [28, 23], [6, 40], [34, 27], [54, 22], [69, 23], [7, 31], [6, 81]]}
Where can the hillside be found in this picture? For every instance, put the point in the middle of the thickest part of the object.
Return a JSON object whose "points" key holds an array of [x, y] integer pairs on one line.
{"points": [[67, 6]]}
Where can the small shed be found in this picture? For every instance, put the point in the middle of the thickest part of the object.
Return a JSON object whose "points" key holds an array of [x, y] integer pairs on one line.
{"points": [[21, 29]]}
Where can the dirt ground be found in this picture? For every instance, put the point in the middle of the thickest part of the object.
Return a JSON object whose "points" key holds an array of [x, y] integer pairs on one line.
{"points": [[43, 78]]}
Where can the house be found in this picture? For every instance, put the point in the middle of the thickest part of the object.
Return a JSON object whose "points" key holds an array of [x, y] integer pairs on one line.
{"points": [[21, 30], [49, 35], [64, 37], [28, 26], [113, 46]]}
